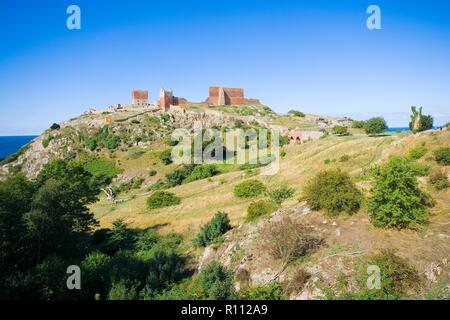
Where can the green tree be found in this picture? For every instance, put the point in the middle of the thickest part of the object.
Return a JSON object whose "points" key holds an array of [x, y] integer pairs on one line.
{"points": [[396, 199], [213, 230], [375, 126], [216, 282]]}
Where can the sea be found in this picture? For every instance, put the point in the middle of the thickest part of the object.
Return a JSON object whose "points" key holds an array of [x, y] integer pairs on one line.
{"points": [[10, 144]]}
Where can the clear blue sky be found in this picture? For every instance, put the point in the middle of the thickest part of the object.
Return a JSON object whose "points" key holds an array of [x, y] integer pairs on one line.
{"points": [[315, 56]]}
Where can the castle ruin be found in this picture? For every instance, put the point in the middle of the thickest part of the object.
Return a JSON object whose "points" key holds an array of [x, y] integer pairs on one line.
{"points": [[220, 96], [139, 98]]}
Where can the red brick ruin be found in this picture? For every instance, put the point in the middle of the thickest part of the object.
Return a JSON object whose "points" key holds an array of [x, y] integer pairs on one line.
{"points": [[226, 96]]}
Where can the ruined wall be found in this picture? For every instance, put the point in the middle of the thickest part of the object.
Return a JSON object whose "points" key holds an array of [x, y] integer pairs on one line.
{"points": [[165, 99], [139, 97], [226, 96]]}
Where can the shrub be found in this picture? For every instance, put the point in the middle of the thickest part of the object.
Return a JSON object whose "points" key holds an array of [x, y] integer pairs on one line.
{"points": [[55, 126], [46, 141], [296, 113], [396, 198], [438, 179], [344, 158], [417, 152], [326, 161], [288, 239], [213, 230], [201, 172], [216, 282], [259, 209], [279, 195], [358, 124], [166, 157], [375, 126], [442, 156], [298, 281], [161, 199], [332, 191], [249, 189], [340, 130], [152, 172], [270, 291], [397, 276]]}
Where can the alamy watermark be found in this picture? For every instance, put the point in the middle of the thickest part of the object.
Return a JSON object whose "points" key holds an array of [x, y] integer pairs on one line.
{"points": [[374, 20], [73, 21]]}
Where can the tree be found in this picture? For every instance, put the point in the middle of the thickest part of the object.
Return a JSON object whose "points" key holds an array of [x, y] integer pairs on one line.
{"points": [[396, 199], [15, 200], [340, 130], [375, 126], [59, 220], [217, 282]]}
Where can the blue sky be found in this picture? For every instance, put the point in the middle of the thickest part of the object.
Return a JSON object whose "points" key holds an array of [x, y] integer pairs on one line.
{"points": [[315, 56]]}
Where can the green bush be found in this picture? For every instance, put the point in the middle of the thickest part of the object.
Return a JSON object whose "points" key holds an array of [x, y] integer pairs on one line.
{"points": [[332, 191], [46, 141], [201, 172], [249, 189], [281, 194], [417, 152], [270, 291], [358, 124], [375, 126], [152, 172], [103, 138], [442, 156], [166, 156], [161, 199], [100, 167], [213, 230], [296, 113], [398, 278], [438, 179], [340, 130], [55, 126], [216, 282], [396, 198], [261, 208], [344, 158]]}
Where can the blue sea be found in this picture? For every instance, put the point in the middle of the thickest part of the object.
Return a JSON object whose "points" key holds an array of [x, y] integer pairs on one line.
{"points": [[10, 144], [395, 129]]}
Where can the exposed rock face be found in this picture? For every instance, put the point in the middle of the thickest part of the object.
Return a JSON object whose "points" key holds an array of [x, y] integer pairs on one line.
{"points": [[252, 265]]}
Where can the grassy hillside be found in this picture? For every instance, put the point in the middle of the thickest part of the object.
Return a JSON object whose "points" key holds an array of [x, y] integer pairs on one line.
{"points": [[201, 199]]}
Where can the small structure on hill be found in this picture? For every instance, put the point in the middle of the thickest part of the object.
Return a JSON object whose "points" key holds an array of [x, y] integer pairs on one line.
{"points": [[139, 98], [298, 135], [167, 100]]}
